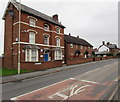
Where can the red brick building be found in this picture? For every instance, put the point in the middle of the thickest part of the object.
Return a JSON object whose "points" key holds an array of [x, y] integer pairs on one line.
{"points": [[76, 47], [41, 38]]}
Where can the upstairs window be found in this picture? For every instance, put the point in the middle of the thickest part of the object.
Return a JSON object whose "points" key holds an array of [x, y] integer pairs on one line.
{"points": [[71, 45], [57, 41], [81, 47], [46, 27], [58, 30], [46, 40], [32, 37], [32, 22]]}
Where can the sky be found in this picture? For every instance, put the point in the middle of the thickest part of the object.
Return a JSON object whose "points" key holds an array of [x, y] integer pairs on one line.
{"points": [[92, 20]]}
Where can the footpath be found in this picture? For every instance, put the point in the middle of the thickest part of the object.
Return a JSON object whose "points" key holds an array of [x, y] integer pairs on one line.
{"points": [[20, 77]]}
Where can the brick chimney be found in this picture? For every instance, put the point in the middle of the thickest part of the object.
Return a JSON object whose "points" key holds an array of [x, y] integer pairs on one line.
{"points": [[55, 17], [78, 36]]}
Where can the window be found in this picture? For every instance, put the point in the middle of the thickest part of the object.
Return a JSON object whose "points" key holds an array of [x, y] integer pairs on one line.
{"points": [[32, 22], [31, 55], [31, 37], [58, 55], [57, 41], [81, 47], [76, 46], [58, 30], [46, 27], [46, 40], [71, 45]]}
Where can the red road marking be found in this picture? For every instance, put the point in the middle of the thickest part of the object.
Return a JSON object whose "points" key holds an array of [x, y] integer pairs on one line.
{"points": [[71, 88]]}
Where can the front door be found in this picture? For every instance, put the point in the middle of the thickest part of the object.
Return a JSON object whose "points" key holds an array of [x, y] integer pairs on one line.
{"points": [[45, 57]]}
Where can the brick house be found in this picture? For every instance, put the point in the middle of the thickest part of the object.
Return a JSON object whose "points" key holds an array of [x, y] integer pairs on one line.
{"points": [[41, 38], [76, 47]]}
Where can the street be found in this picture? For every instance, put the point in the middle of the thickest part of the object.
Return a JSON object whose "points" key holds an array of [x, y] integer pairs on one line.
{"points": [[87, 82]]}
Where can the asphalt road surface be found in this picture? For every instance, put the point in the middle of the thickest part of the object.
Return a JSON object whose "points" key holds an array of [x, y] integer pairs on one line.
{"points": [[88, 81]]}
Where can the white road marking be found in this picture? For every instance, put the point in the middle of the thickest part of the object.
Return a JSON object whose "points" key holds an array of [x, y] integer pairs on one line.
{"points": [[98, 68], [72, 91], [14, 98], [90, 81]]}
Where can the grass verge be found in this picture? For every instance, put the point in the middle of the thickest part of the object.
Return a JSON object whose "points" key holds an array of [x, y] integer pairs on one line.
{"points": [[7, 72]]}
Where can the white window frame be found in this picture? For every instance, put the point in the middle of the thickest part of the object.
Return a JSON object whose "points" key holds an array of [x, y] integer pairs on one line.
{"points": [[58, 30], [47, 40], [32, 22], [58, 54], [58, 42], [30, 37], [71, 45], [30, 55], [81, 47], [46, 28]]}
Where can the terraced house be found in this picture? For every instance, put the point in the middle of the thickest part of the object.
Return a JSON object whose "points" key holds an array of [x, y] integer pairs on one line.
{"points": [[76, 47], [35, 38]]}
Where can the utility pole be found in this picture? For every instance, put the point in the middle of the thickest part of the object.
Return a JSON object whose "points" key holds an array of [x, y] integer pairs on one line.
{"points": [[19, 37]]}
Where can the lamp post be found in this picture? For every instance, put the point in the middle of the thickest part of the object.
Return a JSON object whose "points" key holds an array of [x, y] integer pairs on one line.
{"points": [[19, 38]]}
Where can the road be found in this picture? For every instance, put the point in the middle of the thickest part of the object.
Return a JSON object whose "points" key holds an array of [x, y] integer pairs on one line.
{"points": [[95, 76]]}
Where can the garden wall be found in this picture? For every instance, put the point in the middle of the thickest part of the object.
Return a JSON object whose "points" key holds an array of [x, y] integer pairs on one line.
{"points": [[41, 66]]}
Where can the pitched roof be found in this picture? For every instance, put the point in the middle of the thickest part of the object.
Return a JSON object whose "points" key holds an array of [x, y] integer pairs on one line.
{"points": [[34, 13], [76, 40], [110, 46]]}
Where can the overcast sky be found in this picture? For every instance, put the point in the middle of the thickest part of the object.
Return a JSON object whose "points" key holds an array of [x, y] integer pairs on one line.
{"points": [[93, 20]]}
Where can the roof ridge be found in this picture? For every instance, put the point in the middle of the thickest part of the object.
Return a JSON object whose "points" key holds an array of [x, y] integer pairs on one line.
{"points": [[34, 9]]}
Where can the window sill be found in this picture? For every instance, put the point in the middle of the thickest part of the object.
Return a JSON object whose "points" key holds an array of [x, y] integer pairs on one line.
{"points": [[32, 26], [30, 62]]}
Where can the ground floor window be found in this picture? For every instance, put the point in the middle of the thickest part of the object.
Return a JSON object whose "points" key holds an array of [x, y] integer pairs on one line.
{"points": [[58, 55], [31, 55]]}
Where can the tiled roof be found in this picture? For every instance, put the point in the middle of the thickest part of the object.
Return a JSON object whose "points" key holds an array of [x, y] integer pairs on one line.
{"points": [[76, 40], [112, 46], [36, 13]]}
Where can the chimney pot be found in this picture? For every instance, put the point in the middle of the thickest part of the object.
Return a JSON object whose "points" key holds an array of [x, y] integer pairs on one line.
{"points": [[55, 17], [108, 43], [103, 42]]}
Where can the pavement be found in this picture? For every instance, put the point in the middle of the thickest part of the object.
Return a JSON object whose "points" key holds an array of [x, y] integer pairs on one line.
{"points": [[20, 77]]}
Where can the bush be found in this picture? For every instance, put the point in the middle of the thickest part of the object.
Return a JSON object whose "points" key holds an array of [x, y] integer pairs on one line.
{"points": [[118, 54], [109, 54]]}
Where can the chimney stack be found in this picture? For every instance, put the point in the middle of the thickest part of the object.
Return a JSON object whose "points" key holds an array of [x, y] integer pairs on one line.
{"points": [[69, 34], [55, 17], [108, 43], [103, 42], [78, 36]]}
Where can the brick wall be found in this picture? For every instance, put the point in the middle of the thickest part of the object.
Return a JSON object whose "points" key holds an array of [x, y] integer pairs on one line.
{"points": [[11, 33], [79, 61], [42, 66], [70, 52]]}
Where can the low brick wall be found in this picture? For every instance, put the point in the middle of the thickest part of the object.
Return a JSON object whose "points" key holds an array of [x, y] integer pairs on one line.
{"points": [[41, 66], [109, 57], [79, 61], [104, 58], [98, 58]]}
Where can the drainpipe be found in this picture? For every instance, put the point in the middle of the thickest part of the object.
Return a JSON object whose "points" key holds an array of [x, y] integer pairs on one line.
{"points": [[19, 38]]}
